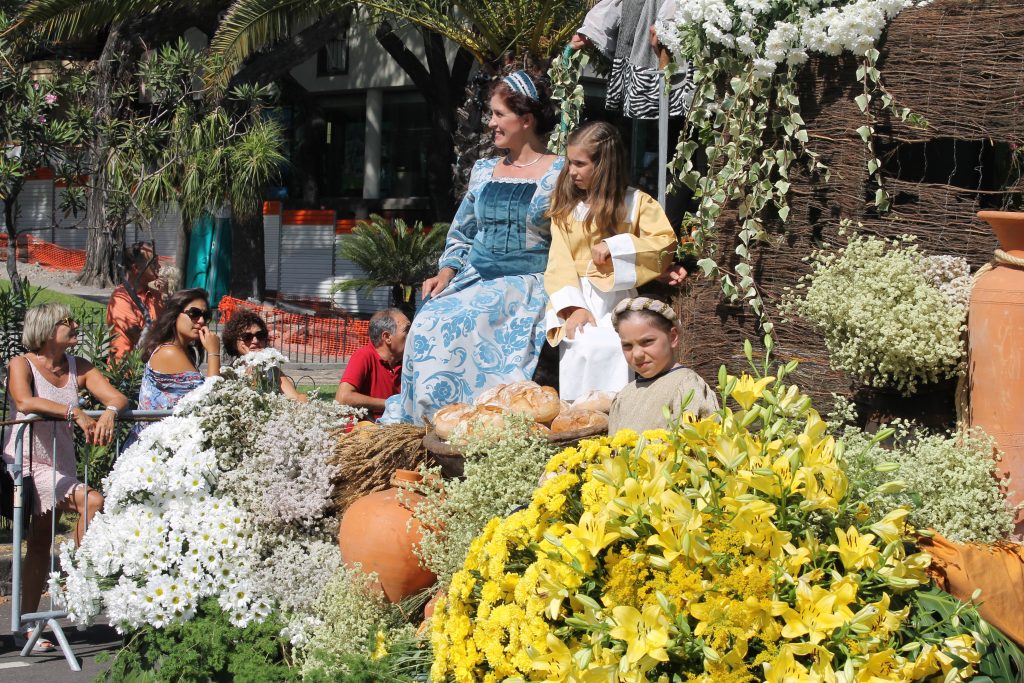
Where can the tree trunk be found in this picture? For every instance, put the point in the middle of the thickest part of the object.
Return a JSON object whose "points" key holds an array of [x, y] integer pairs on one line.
{"points": [[181, 250], [12, 242], [442, 87], [106, 234], [248, 276]]}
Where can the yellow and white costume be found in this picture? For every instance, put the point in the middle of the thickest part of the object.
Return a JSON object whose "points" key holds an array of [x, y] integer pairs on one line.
{"points": [[641, 250]]}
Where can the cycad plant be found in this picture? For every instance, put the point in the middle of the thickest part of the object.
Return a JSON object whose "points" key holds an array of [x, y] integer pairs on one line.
{"points": [[392, 254]]}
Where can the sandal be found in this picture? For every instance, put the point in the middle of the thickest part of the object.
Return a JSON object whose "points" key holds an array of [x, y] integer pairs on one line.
{"points": [[42, 645]]}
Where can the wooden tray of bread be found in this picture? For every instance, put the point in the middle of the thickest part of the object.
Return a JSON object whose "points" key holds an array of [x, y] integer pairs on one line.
{"points": [[563, 424]]}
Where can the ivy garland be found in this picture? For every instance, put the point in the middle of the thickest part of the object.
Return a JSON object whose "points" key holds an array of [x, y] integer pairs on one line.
{"points": [[744, 132], [564, 75]]}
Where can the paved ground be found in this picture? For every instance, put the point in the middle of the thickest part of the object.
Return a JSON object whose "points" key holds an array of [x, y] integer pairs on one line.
{"points": [[52, 667]]}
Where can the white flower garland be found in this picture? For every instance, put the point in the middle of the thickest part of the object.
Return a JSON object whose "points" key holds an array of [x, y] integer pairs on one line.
{"points": [[745, 114]]}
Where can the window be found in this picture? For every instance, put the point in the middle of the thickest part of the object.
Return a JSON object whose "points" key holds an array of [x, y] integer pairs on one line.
{"points": [[342, 147], [332, 59], [405, 134]]}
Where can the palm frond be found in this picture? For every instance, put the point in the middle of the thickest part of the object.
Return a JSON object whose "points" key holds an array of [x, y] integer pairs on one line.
{"points": [[250, 25], [63, 19], [391, 254]]}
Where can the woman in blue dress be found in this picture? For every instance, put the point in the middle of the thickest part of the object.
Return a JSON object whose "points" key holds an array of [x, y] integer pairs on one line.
{"points": [[173, 349], [481, 321]]}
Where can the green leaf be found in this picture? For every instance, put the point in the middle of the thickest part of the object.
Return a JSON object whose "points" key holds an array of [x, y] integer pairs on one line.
{"points": [[862, 101], [865, 132], [708, 266], [873, 165], [783, 213]]}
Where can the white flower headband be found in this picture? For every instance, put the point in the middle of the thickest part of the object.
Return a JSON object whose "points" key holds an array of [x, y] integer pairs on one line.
{"points": [[642, 303]]}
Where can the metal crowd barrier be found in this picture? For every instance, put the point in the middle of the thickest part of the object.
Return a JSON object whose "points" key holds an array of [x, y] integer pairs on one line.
{"points": [[37, 620]]}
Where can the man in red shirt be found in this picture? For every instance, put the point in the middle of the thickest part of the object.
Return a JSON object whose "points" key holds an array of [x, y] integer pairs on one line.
{"points": [[128, 315], [374, 372]]}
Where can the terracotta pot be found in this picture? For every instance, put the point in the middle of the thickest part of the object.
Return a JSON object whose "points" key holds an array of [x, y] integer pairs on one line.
{"points": [[428, 609], [995, 365], [376, 532]]}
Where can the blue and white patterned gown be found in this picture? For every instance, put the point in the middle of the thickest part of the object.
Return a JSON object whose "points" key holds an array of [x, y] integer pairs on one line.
{"points": [[486, 327]]}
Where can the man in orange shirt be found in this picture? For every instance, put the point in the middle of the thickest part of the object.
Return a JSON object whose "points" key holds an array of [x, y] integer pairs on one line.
{"points": [[137, 302]]}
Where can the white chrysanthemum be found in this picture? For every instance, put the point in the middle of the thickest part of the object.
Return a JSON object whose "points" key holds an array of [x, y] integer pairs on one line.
{"points": [[262, 360]]}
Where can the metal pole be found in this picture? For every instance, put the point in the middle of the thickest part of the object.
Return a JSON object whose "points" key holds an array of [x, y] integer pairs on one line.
{"points": [[663, 59]]}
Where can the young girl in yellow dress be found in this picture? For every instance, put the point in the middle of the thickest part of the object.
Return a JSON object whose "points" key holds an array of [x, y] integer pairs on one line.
{"points": [[606, 239]]}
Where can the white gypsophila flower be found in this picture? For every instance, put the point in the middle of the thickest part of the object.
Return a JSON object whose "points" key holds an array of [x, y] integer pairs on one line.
{"points": [[884, 322]]}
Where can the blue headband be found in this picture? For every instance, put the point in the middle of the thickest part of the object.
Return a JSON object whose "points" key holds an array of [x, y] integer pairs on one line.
{"points": [[520, 82]]}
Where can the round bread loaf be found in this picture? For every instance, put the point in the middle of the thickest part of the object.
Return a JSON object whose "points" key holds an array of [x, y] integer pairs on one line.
{"points": [[540, 403], [490, 397], [598, 400], [448, 418], [577, 418], [476, 419]]}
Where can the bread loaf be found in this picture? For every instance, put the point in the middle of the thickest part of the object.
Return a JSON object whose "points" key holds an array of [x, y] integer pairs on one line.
{"points": [[475, 420], [448, 418], [540, 403], [598, 400], [577, 419], [490, 397]]}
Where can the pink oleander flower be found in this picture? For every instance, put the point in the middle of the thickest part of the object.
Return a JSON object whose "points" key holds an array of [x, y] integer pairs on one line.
{"points": [[50, 98], [42, 119]]}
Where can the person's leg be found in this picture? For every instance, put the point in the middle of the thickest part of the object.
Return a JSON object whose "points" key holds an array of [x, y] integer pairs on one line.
{"points": [[35, 569], [86, 502]]}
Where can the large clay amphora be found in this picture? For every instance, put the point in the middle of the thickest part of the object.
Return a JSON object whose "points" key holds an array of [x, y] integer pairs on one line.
{"points": [[376, 532], [995, 358]]}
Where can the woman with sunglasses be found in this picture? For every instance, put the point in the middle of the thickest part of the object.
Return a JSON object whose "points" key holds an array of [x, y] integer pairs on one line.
{"points": [[46, 381], [246, 332], [173, 349]]}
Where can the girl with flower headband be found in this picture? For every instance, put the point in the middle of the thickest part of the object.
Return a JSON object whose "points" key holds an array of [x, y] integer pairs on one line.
{"points": [[606, 239], [481, 323], [649, 336]]}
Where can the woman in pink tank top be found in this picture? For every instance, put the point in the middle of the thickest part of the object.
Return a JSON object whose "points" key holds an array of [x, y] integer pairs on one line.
{"points": [[46, 381]]}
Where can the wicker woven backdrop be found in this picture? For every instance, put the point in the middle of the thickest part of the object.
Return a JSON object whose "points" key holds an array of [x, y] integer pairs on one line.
{"points": [[958, 64]]}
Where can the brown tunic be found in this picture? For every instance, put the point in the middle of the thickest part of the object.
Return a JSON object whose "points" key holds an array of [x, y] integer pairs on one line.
{"points": [[638, 406]]}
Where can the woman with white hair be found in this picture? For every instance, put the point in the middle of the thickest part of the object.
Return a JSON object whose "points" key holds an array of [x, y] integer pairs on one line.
{"points": [[46, 381]]}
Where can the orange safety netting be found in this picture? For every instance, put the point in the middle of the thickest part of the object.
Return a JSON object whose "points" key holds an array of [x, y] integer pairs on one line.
{"points": [[33, 250], [46, 254], [294, 334]]}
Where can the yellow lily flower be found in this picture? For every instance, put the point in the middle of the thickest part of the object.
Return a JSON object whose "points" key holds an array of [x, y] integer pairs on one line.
{"points": [[784, 668], [880, 667], [855, 551], [556, 661], [748, 390], [891, 527], [591, 532], [818, 612], [645, 634]]}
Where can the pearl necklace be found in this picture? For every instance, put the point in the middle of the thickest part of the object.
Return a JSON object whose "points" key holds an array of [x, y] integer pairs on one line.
{"points": [[511, 163]]}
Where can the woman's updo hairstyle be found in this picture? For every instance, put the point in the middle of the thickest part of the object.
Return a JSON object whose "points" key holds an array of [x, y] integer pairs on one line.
{"points": [[517, 92]]}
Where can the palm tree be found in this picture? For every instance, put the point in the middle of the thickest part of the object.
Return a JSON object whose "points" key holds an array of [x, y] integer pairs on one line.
{"points": [[129, 27], [487, 32], [391, 254]]}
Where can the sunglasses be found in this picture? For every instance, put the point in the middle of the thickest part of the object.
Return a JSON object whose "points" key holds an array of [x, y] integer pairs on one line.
{"points": [[195, 314], [69, 321], [247, 337]]}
